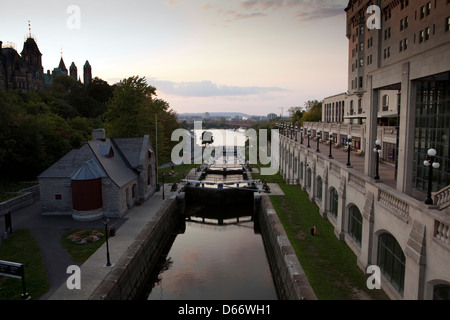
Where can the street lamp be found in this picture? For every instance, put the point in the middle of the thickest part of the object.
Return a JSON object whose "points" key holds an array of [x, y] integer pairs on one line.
{"points": [[296, 133], [301, 135], [163, 185], [292, 129], [349, 147], [309, 135], [377, 150], [318, 138], [108, 263], [431, 162], [330, 156]]}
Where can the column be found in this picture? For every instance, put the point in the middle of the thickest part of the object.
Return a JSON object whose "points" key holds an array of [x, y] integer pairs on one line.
{"points": [[371, 129]]}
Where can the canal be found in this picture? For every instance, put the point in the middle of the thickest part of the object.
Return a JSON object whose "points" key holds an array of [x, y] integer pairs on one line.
{"points": [[216, 253]]}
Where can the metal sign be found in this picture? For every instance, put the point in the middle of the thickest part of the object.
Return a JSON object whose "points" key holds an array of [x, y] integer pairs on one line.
{"points": [[14, 270], [11, 269]]}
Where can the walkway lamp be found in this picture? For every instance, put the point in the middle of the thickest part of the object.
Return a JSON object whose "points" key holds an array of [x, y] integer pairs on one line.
{"points": [[318, 138], [377, 150], [349, 148], [309, 135], [301, 135], [108, 263], [292, 129], [296, 133], [430, 162], [330, 156]]}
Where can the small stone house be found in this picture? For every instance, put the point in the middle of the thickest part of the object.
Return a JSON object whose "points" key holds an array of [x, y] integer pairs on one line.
{"points": [[105, 177]]}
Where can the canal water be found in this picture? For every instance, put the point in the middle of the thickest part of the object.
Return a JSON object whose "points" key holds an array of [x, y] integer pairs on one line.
{"points": [[215, 255]]}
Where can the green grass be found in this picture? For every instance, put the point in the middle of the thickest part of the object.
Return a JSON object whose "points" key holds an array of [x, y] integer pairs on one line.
{"points": [[329, 264], [20, 247], [12, 186], [179, 172], [81, 252]]}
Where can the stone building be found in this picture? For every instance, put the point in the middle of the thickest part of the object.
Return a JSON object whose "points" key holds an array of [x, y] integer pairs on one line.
{"points": [[105, 177], [398, 93]]}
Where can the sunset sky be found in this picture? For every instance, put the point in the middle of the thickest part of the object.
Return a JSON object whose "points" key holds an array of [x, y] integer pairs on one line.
{"points": [[255, 56]]}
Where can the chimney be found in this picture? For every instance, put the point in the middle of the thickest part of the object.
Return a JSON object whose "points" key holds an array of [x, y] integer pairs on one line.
{"points": [[99, 134]]}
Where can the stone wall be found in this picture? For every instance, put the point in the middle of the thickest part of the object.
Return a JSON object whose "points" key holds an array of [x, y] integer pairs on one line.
{"points": [[289, 277], [130, 273]]}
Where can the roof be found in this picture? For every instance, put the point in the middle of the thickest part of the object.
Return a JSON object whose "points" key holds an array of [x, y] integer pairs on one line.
{"points": [[88, 171], [62, 65], [120, 159]]}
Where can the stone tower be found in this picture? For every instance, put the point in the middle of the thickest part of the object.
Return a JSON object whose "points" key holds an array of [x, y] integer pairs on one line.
{"points": [[87, 76], [73, 71]]}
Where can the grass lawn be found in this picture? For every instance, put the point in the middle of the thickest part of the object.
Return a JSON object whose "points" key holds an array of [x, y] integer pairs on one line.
{"points": [[329, 264], [179, 172], [20, 247], [11, 186]]}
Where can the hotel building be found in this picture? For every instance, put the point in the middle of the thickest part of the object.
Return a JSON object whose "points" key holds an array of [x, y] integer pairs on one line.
{"points": [[399, 94]]}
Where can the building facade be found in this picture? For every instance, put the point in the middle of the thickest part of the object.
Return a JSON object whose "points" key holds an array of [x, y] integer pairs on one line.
{"points": [[105, 177], [398, 93]]}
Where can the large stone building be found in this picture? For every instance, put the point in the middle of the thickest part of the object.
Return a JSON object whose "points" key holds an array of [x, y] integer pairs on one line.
{"points": [[25, 71], [398, 93], [105, 177]]}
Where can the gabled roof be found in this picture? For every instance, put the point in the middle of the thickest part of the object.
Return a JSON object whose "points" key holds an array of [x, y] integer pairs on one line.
{"points": [[118, 159]]}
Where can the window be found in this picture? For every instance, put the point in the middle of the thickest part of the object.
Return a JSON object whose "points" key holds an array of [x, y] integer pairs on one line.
{"points": [[361, 62], [441, 292], [385, 102], [404, 23], [421, 36], [391, 261], [334, 201], [58, 196], [319, 188], [355, 224], [427, 34], [360, 82], [404, 4], [308, 178], [403, 45], [447, 24]]}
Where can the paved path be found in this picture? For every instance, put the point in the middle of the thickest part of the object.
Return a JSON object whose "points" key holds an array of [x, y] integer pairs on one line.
{"points": [[48, 231]]}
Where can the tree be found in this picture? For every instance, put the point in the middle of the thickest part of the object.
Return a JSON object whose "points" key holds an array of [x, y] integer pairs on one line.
{"points": [[128, 112], [313, 112]]}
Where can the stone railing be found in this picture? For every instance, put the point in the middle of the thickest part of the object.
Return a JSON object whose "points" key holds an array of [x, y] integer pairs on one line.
{"points": [[442, 198], [393, 204], [442, 232]]}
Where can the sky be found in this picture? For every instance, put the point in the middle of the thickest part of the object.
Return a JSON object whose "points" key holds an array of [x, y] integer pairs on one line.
{"points": [[255, 56]]}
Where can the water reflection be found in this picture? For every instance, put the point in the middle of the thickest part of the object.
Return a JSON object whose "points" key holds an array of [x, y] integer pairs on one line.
{"points": [[218, 258]]}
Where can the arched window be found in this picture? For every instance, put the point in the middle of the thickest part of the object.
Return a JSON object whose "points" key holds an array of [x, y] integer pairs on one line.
{"points": [[308, 178], [355, 224], [319, 188], [391, 261], [441, 292], [301, 170], [334, 200]]}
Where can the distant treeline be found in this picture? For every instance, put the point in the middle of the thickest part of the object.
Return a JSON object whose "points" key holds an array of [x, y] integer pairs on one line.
{"points": [[39, 127]]}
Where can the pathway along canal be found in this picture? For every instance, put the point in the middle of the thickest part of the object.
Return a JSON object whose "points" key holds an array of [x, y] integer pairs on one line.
{"points": [[216, 254]]}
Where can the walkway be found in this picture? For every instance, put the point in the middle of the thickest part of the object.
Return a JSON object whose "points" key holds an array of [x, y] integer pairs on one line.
{"points": [[386, 170], [48, 231]]}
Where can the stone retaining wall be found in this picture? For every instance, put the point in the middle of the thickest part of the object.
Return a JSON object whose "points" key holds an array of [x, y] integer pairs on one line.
{"points": [[289, 277], [131, 272]]}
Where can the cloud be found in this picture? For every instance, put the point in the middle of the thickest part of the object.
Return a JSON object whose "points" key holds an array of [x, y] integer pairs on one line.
{"points": [[209, 89], [303, 10]]}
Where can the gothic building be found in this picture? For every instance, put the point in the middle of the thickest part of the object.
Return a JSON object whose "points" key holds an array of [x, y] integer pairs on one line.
{"points": [[25, 71]]}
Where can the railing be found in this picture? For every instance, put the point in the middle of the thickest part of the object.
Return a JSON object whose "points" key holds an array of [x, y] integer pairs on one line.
{"points": [[442, 198], [442, 232], [393, 204]]}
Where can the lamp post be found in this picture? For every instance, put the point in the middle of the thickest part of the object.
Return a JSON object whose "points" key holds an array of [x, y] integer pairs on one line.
{"points": [[296, 133], [431, 162], [309, 135], [301, 135], [377, 150], [163, 185], [318, 138], [108, 263], [330, 156], [292, 130], [349, 147]]}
